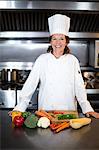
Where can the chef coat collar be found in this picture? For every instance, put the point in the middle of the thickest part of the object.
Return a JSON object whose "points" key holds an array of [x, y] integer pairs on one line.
{"points": [[61, 57]]}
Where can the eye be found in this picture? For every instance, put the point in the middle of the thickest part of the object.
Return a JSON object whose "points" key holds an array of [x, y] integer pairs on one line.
{"points": [[61, 38], [53, 39]]}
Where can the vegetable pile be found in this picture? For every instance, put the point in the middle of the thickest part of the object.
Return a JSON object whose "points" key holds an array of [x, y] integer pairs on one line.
{"points": [[55, 120]]}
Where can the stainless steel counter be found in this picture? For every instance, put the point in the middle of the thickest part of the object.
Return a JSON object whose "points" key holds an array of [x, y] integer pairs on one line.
{"points": [[86, 138]]}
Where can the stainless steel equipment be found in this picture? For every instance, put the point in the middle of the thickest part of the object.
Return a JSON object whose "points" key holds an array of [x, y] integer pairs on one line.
{"points": [[94, 54], [7, 98], [19, 52], [91, 80], [10, 88]]}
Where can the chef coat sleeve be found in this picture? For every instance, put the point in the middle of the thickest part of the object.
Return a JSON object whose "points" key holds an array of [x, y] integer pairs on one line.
{"points": [[80, 90], [28, 88]]}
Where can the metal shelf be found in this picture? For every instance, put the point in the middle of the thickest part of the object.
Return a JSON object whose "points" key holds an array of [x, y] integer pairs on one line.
{"points": [[92, 91]]}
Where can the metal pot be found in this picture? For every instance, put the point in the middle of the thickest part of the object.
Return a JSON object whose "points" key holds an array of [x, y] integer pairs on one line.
{"points": [[4, 75], [14, 75]]}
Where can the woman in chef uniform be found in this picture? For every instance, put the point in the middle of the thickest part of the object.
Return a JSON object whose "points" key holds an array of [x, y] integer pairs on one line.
{"points": [[59, 75]]}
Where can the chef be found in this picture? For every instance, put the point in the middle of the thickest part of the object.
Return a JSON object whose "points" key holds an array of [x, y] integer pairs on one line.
{"points": [[59, 74]]}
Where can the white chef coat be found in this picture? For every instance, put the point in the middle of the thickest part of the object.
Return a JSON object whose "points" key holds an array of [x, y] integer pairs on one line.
{"points": [[60, 82]]}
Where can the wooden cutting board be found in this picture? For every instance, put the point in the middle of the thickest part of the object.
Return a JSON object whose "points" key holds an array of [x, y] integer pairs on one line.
{"points": [[55, 113]]}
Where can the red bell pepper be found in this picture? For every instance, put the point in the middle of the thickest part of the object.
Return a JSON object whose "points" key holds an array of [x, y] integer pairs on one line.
{"points": [[18, 121]]}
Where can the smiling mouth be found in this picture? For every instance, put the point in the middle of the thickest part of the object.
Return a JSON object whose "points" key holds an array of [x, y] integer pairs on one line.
{"points": [[58, 46]]}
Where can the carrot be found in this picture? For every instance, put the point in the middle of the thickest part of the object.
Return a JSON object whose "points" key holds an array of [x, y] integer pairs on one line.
{"points": [[63, 126], [47, 114], [58, 126], [53, 126], [40, 114]]}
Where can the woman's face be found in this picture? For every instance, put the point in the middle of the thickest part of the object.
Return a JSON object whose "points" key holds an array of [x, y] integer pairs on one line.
{"points": [[58, 42]]}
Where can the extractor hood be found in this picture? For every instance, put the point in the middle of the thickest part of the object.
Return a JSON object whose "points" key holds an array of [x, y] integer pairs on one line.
{"points": [[32, 15]]}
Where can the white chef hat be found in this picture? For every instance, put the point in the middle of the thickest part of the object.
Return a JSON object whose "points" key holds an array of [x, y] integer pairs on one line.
{"points": [[59, 24]]}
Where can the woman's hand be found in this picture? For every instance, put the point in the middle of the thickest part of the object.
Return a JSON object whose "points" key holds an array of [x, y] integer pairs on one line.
{"points": [[93, 114], [10, 113]]}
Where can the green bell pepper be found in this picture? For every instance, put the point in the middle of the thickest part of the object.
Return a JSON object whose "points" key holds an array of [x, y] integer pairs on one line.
{"points": [[25, 114]]}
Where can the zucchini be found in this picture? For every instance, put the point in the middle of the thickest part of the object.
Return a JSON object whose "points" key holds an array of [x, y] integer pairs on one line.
{"points": [[66, 116]]}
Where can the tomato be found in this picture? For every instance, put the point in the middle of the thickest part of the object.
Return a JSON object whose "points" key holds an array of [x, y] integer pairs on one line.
{"points": [[58, 112], [18, 121]]}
